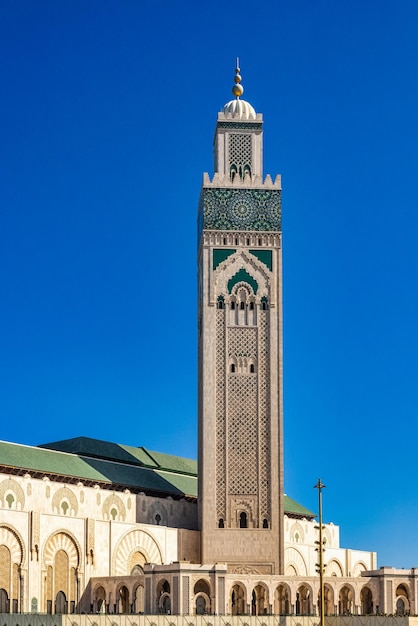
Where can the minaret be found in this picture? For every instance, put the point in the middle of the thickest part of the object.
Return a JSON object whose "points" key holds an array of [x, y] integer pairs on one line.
{"points": [[240, 350]]}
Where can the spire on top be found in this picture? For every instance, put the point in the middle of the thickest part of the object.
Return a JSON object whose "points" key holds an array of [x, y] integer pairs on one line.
{"points": [[237, 89], [238, 109]]}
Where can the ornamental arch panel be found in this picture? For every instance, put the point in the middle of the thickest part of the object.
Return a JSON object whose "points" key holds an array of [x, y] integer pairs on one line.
{"points": [[10, 538], [358, 568], [135, 541], [11, 495], [114, 509], [64, 501], [62, 540], [334, 568], [294, 562], [296, 533]]}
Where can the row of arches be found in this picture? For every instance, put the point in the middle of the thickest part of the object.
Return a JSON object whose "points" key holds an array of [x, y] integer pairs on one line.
{"points": [[256, 600], [301, 602], [241, 309], [122, 601]]}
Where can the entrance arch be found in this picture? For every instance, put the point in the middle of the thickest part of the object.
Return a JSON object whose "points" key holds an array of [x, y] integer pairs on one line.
{"points": [[4, 601], [346, 601], [260, 600], [366, 601], [61, 603], [163, 595], [328, 600], [201, 592], [238, 600], [402, 599], [303, 601], [99, 600], [123, 597], [282, 599]]}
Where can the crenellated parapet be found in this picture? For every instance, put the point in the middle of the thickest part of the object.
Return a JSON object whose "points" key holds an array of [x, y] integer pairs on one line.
{"points": [[248, 182]]}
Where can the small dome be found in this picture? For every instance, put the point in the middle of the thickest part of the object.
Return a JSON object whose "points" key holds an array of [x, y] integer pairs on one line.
{"points": [[240, 109]]}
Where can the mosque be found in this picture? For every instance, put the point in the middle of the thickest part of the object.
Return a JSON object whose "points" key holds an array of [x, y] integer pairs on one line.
{"points": [[89, 526]]}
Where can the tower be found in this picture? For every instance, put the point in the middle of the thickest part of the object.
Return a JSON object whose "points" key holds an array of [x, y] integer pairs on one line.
{"points": [[240, 350]]}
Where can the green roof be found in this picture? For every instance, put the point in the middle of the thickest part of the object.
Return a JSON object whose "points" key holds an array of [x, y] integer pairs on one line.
{"points": [[174, 463], [97, 448], [291, 507], [74, 466], [113, 464]]}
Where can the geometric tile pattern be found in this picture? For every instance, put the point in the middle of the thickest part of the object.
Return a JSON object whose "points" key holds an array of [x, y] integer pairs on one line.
{"points": [[240, 209]]}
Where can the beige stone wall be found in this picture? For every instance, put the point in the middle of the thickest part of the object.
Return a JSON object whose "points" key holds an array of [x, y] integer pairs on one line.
{"points": [[301, 556], [173, 513], [44, 524]]}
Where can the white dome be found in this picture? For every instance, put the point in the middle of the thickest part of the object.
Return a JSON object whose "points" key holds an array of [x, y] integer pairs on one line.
{"points": [[240, 109]]}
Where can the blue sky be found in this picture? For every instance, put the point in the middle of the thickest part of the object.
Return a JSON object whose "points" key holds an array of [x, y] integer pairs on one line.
{"points": [[108, 111]]}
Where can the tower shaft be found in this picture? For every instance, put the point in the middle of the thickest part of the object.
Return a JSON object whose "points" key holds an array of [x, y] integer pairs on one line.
{"points": [[240, 352]]}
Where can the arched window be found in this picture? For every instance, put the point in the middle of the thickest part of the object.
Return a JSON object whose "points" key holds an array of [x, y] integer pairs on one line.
{"points": [[252, 368], [264, 304], [243, 523], [221, 302], [158, 519], [221, 523], [251, 306], [265, 523], [233, 304], [232, 368], [242, 306]]}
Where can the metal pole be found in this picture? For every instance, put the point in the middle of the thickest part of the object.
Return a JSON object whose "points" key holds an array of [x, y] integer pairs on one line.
{"points": [[320, 566]]}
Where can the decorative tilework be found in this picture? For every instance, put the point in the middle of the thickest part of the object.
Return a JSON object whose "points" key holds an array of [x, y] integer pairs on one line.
{"points": [[240, 209]]}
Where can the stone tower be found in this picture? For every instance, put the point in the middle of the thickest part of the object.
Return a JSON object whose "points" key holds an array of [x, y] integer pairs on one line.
{"points": [[240, 350]]}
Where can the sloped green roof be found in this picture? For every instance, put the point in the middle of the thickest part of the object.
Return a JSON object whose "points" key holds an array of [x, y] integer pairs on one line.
{"points": [[99, 461], [33, 459], [174, 463], [97, 448], [291, 507]]}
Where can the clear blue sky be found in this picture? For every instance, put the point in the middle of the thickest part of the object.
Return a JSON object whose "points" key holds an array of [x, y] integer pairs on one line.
{"points": [[108, 110]]}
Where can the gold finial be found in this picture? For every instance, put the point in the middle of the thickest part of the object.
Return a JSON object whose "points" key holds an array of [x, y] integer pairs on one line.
{"points": [[237, 89]]}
